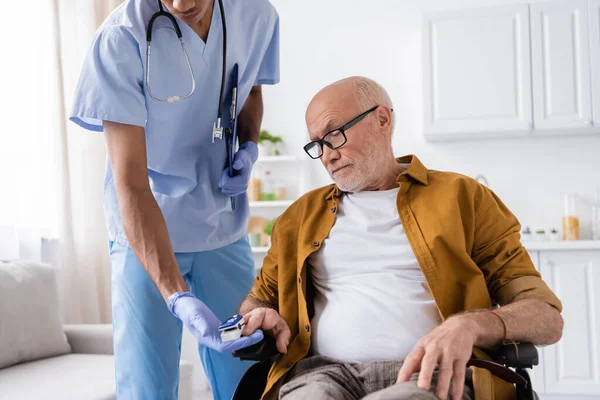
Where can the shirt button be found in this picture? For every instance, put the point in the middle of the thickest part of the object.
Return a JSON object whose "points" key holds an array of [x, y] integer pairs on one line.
{"points": [[307, 327], [299, 280], [332, 209], [315, 243]]}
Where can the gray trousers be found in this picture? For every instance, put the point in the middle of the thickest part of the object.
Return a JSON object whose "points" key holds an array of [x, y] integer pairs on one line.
{"points": [[319, 377]]}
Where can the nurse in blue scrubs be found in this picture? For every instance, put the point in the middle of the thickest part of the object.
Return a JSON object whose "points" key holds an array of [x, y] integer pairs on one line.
{"points": [[179, 250]]}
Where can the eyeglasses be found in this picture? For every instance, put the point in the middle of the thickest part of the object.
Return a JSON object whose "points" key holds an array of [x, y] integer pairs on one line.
{"points": [[335, 138]]}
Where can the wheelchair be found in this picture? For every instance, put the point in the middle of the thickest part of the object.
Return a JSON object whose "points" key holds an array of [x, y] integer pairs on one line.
{"points": [[510, 363]]}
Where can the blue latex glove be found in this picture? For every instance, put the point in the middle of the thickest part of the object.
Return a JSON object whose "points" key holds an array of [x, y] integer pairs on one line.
{"points": [[204, 325], [243, 160]]}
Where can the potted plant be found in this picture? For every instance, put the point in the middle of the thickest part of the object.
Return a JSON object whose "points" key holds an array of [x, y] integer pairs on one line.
{"points": [[526, 234], [554, 235], [540, 235], [269, 230], [269, 227], [276, 143], [269, 145], [264, 143]]}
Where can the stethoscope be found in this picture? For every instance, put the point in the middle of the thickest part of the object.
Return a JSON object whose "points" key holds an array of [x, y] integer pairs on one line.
{"points": [[217, 128]]}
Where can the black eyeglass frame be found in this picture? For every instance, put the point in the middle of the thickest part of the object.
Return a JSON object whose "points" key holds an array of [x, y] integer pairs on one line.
{"points": [[342, 130]]}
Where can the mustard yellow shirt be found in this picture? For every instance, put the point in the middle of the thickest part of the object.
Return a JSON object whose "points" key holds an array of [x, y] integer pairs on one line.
{"points": [[466, 241]]}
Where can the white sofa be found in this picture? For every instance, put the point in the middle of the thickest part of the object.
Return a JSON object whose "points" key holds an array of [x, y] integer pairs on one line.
{"points": [[86, 373], [42, 359]]}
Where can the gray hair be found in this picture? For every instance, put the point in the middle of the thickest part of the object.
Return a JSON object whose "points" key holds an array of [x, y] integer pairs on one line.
{"points": [[370, 93]]}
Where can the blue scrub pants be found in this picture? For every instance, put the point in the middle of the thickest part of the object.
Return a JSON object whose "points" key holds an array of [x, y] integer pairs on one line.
{"points": [[147, 337]]}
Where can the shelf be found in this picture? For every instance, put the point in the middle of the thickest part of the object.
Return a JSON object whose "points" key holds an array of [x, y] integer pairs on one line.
{"points": [[277, 159], [270, 204], [563, 245], [260, 250]]}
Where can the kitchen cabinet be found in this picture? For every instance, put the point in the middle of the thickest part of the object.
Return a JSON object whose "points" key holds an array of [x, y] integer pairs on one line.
{"points": [[595, 59], [477, 72], [570, 368], [513, 70], [560, 53]]}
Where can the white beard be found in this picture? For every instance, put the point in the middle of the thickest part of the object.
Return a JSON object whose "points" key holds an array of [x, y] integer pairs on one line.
{"points": [[365, 169]]}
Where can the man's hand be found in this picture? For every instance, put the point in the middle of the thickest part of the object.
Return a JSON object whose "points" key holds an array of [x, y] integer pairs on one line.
{"points": [[268, 320], [450, 345], [204, 325]]}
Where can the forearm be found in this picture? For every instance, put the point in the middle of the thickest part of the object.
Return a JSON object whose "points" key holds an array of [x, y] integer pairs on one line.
{"points": [[250, 117], [251, 302], [528, 320], [148, 236]]}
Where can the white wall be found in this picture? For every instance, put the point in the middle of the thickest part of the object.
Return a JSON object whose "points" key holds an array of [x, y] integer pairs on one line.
{"points": [[325, 40]]}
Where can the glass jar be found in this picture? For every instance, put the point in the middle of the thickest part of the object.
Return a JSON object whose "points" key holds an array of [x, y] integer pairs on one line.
{"points": [[570, 220], [280, 192], [254, 188], [267, 192], [254, 239]]}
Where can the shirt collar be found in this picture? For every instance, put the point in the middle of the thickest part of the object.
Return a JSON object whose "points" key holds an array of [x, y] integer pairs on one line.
{"points": [[416, 170]]}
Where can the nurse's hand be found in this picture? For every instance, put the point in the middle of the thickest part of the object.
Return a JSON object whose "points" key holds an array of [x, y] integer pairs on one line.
{"points": [[243, 160], [204, 325]]}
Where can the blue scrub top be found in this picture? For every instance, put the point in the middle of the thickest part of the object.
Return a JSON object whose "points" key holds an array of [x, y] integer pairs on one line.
{"points": [[184, 166]]}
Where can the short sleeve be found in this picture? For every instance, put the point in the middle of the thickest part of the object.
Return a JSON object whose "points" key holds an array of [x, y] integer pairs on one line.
{"points": [[110, 86], [268, 74]]}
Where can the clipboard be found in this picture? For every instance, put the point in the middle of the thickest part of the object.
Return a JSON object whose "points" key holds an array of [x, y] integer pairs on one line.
{"points": [[231, 137], [233, 119]]}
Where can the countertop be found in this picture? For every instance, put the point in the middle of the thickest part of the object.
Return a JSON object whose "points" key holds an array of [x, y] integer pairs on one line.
{"points": [[533, 245]]}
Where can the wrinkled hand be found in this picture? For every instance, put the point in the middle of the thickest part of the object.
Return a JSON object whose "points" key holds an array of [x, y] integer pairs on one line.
{"points": [[270, 321], [243, 160], [450, 345], [204, 325]]}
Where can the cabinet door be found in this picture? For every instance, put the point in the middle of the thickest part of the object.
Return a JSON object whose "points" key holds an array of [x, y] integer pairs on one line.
{"points": [[595, 57], [561, 66], [571, 365], [477, 72]]}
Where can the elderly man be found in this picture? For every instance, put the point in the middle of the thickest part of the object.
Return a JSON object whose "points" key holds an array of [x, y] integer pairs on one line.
{"points": [[382, 286]]}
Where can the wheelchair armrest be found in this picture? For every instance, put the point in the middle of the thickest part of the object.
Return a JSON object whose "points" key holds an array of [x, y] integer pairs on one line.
{"points": [[261, 351], [516, 355]]}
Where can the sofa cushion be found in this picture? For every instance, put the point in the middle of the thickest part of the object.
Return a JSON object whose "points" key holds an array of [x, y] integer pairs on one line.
{"points": [[74, 376], [71, 376], [30, 326]]}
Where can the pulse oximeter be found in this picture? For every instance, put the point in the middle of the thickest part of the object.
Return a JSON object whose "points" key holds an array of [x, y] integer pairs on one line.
{"points": [[232, 328]]}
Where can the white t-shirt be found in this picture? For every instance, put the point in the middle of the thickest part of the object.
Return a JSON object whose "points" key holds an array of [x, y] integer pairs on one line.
{"points": [[372, 301]]}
